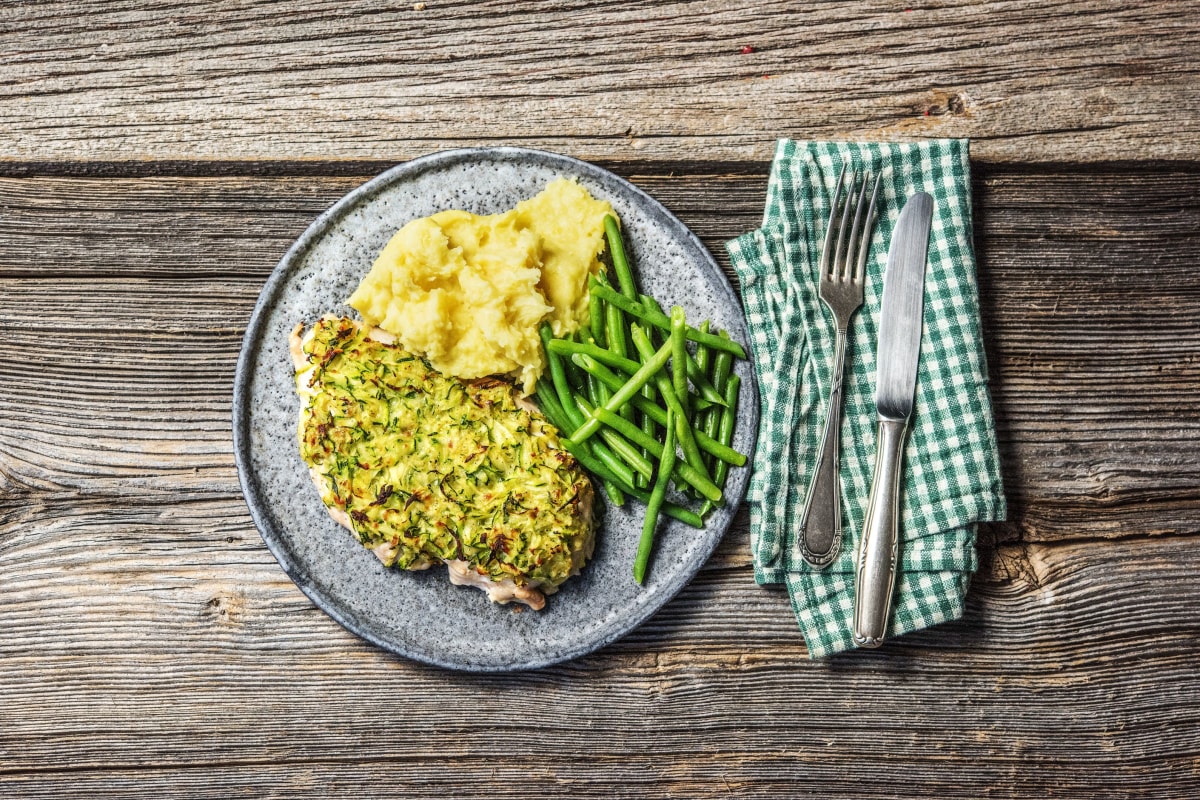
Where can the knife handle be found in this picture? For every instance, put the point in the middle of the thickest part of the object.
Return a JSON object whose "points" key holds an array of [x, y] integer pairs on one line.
{"points": [[879, 550], [821, 525]]}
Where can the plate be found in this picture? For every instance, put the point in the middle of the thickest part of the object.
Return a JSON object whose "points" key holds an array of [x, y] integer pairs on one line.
{"points": [[420, 615]]}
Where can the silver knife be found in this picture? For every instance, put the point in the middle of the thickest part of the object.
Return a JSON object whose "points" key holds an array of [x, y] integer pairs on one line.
{"points": [[899, 349]]}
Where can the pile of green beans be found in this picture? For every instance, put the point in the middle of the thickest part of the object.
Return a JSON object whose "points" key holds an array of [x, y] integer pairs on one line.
{"points": [[626, 391]]}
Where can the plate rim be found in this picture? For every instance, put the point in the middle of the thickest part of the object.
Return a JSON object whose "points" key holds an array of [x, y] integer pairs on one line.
{"points": [[251, 344]]}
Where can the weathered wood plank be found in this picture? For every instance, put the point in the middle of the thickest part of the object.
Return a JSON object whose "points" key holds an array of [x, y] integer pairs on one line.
{"points": [[1051, 80], [149, 644], [156, 161], [167, 662], [1093, 365]]}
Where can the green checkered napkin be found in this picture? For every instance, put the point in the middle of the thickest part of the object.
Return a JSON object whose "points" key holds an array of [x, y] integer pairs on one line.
{"points": [[951, 471]]}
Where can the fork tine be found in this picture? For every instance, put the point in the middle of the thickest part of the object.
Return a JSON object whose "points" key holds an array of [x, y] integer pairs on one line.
{"points": [[856, 231], [827, 247], [839, 253], [864, 248]]}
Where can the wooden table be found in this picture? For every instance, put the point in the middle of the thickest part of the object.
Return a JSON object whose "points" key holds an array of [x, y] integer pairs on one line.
{"points": [[157, 159]]}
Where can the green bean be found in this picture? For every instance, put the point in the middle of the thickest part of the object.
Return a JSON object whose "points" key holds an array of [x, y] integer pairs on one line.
{"points": [[550, 407], [593, 387], [615, 330], [683, 470], [684, 515], [553, 411], [721, 452], [705, 414], [728, 416], [617, 325], [619, 444], [679, 359], [633, 432], [599, 450], [696, 374], [658, 414], [705, 361], [558, 375], [725, 433], [616, 248], [558, 416], [687, 440], [679, 373], [600, 389], [575, 378], [660, 320], [653, 305], [666, 466], [652, 367], [574, 417], [707, 390], [651, 409], [615, 495], [648, 425], [614, 464], [709, 424], [596, 321], [565, 347], [599, 395], [597, 390], [649, 428], [647, 395], [653, 336], [618, 341], [703, 353], [722, 366], [650, 303]]}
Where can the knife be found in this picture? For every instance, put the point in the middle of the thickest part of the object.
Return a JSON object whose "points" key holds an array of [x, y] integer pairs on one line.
{"points": [[899, 349]]}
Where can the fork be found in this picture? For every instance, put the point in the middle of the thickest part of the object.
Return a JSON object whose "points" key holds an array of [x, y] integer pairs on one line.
{"points": [[841, 291]]}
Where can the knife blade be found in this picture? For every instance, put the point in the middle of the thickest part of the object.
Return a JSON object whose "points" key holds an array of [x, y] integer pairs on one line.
{"points": [[899, 351]]}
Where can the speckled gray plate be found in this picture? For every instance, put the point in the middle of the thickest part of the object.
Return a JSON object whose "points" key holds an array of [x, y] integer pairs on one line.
{"points": [[421, 615]]}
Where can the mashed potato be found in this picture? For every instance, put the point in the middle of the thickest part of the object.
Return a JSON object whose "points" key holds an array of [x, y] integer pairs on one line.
{"points": [[468, 292]]}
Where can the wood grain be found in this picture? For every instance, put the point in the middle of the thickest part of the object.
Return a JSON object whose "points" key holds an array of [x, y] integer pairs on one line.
{"points": [[150, 645], [1041, 80], [157, 159], [1094, 367], [200, 672]]}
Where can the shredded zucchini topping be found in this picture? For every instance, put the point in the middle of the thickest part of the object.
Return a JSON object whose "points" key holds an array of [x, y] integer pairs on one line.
{"points": [[434, 469]]}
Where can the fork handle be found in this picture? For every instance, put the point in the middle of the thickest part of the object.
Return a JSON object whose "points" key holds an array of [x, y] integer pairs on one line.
{"points": [[821, 525], [879, 550]]}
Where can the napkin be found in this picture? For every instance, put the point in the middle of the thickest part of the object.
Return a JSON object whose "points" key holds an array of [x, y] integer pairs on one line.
{"points": [[951, 471]]}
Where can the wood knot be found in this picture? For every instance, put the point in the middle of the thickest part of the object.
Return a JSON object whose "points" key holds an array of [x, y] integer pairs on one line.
{"points": [[1024, 566], [941, 104], [225, 609]]}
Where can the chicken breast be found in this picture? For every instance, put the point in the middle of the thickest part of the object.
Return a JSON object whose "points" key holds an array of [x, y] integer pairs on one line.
{"points": [[425, 469]]}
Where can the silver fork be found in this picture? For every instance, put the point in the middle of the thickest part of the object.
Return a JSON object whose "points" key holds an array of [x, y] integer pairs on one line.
{"points": [[841, 290]]}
